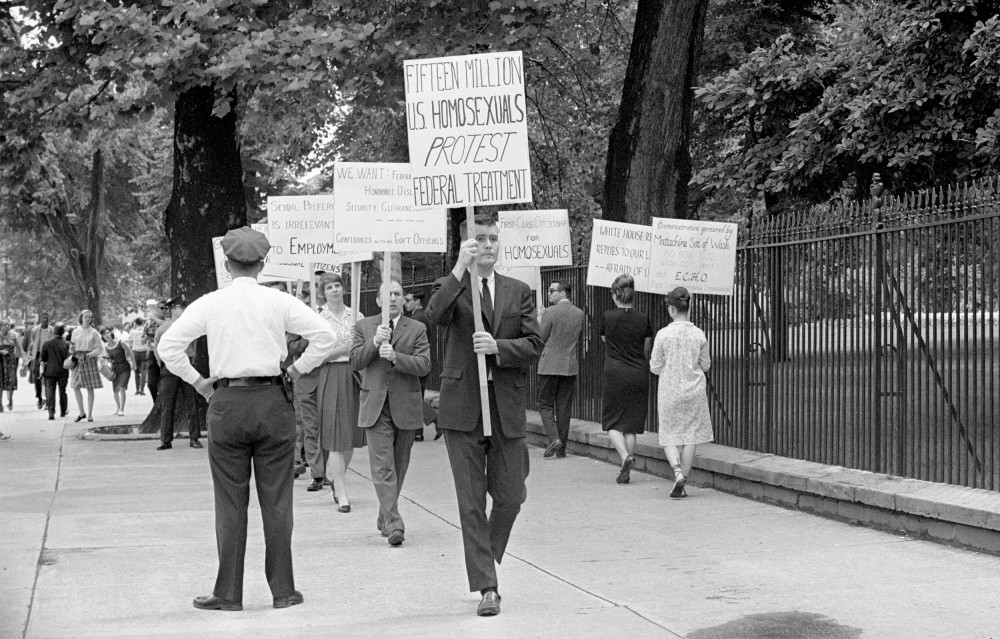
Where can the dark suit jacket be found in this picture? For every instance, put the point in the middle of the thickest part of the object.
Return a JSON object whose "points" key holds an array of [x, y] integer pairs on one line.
{"points": [[400, 382], [561, 326], [515, 329], [54, 352]]}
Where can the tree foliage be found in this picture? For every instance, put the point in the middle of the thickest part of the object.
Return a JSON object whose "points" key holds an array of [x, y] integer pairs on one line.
{"points": [[904, 89]]}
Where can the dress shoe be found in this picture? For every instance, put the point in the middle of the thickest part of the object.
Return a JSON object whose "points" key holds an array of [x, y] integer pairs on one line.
{"points": [[80, 418], [40, 404], [344, 508], [51, 417], [300, 469], [490, 605], [211, 602], [196, 444], [317, 484], [396, 538], [561, 453], [293, 599], [63, 414], [438, 434], [552, 449], [166, 446], [624, 474]]}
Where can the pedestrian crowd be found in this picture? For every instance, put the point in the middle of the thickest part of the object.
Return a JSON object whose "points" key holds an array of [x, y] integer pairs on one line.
{"points": [[288, 390]]}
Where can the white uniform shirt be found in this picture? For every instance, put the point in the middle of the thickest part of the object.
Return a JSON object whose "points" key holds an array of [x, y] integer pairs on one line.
{"points": [[246, 325]]}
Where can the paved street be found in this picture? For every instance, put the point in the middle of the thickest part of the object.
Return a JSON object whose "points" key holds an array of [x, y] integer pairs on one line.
{"points": [[114, 539]]}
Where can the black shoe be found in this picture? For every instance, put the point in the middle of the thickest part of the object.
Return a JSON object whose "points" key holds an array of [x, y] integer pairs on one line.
{"points": [[80, 418], [490, 605], [211, 602], [300, 469], [561, 453], [63, 414], [439, 434], [317, 484], [396, 538], [552, 448], [344, 508], [293, 599], [419, 437], [166, 446], [51, 417], [623, 474], [40, 404], [196, 444]]}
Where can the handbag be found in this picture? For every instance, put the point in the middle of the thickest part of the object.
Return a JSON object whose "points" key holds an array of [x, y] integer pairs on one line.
{"points": [[105, 368], [70, 362]]}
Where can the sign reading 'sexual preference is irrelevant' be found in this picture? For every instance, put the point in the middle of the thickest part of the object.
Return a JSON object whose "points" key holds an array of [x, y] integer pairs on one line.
{"points": [[467, 130]]}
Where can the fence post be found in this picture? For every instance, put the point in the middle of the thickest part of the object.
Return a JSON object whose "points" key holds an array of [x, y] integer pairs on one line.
{"points": [[879, 304]]}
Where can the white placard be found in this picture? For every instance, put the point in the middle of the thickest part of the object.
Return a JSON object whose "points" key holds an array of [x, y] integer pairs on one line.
{"points": [[275, 272], [535, 238], [700, 256], [374, 211], [300, 229], [223, 278], [530, 275], [617, 248], [468, 130]]}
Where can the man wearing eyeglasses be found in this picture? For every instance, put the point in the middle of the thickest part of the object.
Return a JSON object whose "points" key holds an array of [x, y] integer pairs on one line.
{"points": [[558, 367], [157, 311]]}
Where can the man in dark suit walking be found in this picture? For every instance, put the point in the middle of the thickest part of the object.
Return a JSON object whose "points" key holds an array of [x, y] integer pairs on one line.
{"points": [[558, 367], [496, 465], [391, 359]]}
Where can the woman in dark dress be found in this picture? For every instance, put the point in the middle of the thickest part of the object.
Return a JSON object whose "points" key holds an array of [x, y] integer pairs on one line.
{"points": [[628, 338]]}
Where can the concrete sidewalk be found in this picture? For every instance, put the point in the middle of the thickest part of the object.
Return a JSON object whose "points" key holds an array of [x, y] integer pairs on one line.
{"points": [[114, 539]]}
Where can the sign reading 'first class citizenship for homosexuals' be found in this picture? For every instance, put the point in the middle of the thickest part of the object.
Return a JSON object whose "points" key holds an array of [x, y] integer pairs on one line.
{"points": [[467, 129]]}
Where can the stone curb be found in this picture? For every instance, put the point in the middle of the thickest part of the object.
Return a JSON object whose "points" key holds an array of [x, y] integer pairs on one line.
{"points": [[943, 512]]}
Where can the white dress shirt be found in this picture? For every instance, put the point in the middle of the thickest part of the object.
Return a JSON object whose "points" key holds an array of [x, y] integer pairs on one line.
{"points": [[246, 325]]}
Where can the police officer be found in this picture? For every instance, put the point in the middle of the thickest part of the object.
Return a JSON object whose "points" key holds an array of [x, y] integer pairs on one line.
{"points": [[250, 417]]}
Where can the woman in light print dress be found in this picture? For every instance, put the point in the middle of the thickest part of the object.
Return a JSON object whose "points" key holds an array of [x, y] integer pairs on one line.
{"points": [[680, 357]]}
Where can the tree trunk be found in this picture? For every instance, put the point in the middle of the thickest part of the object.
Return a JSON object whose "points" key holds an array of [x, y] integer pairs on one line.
{"points": [[206, 201], [649, 166], [84, 245]]}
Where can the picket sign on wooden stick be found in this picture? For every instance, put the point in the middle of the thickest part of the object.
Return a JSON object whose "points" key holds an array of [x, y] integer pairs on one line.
{"points": [[386, 276], [477, 318], [355, 290], [288, 287]]}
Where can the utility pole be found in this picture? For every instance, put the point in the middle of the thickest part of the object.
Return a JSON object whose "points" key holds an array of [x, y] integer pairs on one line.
{"points": [[6, 284]]}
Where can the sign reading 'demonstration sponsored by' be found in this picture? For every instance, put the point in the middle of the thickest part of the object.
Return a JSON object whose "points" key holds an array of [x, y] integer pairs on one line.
{"points": [[700, 256], [535, 238], [468, 130], [374, 211], [617, 249]]}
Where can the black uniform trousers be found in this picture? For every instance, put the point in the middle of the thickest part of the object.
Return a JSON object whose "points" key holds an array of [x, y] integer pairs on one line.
{"points": [[173, 390], [153, 376], [495, 465], [555, 405], [252, 425]]}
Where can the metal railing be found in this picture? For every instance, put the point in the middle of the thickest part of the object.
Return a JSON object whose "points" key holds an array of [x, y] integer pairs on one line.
{"points": [[863, 336]]}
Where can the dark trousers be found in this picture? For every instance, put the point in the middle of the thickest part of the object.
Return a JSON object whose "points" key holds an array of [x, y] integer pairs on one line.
{"points": [[389, 455], [173, 392], [141, 368], [555, 405], [153, 377], [252, 426], [36, 374], [495, 465], [51, 384]]}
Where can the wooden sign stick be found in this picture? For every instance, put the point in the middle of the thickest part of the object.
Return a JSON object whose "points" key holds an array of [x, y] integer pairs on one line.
{"points": [[355, 290], [312, 287], [477, 318], [386, 278]]}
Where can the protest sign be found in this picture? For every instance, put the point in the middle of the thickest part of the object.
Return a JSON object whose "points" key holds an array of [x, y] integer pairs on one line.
{"points": [[374, 211], [530, 275], [468, 132], [222, 277], [300, 228], [617, 249], [700, 256], [535, 238]]}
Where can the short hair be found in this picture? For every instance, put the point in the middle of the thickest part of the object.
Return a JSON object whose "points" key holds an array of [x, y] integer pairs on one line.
{"points": [[566, 287], [138, 321], [480, 219], [325, 280], [105, 327], [623, 288], [58, 329], [417, 294], [392, 280]]}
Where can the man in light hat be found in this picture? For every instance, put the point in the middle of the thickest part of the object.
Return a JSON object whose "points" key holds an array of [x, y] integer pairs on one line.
{"points": [[250, 417]]}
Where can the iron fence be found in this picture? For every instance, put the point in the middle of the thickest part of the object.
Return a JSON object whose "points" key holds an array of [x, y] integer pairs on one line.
{"points": [[862, 336]]}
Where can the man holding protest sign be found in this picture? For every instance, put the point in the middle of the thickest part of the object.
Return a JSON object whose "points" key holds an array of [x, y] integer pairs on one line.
{"points": [[495, 464]]}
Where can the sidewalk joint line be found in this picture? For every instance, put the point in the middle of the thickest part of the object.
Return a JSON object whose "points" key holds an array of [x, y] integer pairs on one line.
{"points": [[45, 535]]}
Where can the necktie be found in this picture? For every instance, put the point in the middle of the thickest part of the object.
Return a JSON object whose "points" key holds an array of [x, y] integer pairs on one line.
{"points": [[392, 327], [487, 302]]}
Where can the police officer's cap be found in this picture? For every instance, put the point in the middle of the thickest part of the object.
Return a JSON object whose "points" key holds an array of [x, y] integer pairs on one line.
{"points": [[245, 245]]}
